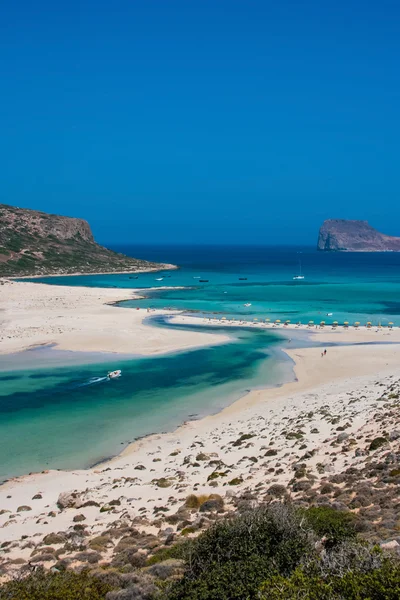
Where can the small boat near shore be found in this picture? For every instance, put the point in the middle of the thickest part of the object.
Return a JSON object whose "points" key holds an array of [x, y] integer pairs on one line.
{"points": [[203, 280], [114, 374]]}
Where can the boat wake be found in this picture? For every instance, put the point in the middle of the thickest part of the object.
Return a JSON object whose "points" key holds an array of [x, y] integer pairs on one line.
{"points": [[94, 380]]}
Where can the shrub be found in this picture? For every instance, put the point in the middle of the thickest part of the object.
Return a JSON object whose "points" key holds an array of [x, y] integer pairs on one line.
{"points": [[235, 481], [232, 558], [382, 583], [65, 585], [377, 443], [179, 550], [141, 587], [193, 501], [214, 502], [278, 491], [334, 525]]}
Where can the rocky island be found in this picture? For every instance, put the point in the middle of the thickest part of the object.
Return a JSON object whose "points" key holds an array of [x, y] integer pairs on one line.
{"points": [[342, 235], [36, 243]]}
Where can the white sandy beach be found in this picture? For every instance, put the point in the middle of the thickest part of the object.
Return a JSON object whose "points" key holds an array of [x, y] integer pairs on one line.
{"points": [[342, 388], [84, 319]]}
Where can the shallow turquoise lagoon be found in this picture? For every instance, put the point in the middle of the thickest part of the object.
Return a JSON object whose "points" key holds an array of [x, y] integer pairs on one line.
{"points": [[70, 417], [59, 417]]}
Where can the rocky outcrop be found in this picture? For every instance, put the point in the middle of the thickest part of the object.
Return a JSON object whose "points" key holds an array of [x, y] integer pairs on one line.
{"points": [[37, 243], [341, 235]]}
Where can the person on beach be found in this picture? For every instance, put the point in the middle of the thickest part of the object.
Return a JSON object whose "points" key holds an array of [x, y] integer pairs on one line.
{"points": [[325, 352]]}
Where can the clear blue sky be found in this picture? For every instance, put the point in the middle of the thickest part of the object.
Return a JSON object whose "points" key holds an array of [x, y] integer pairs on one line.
{"points": [[202, 120]]}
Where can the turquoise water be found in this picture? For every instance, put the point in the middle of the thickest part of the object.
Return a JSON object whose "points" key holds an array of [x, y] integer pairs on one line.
{"points": [[58, 417], [62, 417], [353, 287]]}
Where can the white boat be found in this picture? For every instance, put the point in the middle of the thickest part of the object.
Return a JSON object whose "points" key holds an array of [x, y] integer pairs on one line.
{"points": [[114, 374], [248, 304], [299, 276], [159, 278]]}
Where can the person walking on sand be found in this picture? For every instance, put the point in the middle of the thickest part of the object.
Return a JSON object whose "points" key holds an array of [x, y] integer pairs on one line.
{"points": [[325, 352]]}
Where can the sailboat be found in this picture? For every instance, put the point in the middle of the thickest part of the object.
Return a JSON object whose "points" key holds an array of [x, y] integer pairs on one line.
{"points": [[299, 276]]}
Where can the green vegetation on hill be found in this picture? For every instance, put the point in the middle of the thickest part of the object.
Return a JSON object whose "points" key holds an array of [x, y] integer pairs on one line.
{"points": [[36, 243]]}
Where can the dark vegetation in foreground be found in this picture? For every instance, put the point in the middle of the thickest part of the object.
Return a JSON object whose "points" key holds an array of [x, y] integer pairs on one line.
{"points": [[274, 552]]}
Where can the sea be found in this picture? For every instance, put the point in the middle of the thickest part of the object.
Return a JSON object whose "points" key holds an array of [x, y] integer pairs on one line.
{"points": [[59, 411]]}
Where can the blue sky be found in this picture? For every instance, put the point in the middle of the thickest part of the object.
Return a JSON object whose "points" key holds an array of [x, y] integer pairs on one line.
{"points": [[202, 121]]}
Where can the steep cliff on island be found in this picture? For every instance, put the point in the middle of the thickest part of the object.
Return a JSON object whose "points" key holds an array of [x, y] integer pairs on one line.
{"points": [[37, 243], [341, 235]]}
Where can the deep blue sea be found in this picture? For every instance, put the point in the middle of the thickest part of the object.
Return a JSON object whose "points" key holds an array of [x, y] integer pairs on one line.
{"points": [[66, 416]]}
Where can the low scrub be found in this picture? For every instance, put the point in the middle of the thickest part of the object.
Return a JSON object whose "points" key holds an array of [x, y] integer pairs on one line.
{"points": [[279, 552], [65, 585], [381, 583]]}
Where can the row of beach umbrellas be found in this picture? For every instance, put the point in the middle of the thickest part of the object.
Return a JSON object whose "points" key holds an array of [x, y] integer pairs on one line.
{"points": [[322, 323]]}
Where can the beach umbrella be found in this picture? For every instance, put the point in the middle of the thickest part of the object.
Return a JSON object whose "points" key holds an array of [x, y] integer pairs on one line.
{"points": [[267, 320], [356, 324], [390, 325], [255, 319], [223, 318], [287, 321], [298, 322], [322, 323], [311, 322], [278, 321]]}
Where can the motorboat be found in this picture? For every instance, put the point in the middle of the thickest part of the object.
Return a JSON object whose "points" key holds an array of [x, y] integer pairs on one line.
{"points": [[114, 374], [248, 304], [203, 280], [242, 278], [159, 278]]}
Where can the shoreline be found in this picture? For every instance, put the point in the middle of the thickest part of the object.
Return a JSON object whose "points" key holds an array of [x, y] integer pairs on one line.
{"points": [[162, 267], [254, 442], [348, 372], [254, 396], [86, 319]]}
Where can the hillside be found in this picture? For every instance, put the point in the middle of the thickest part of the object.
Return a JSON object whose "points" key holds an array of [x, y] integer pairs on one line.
{"points": [[37, 243], [341, 235]]}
